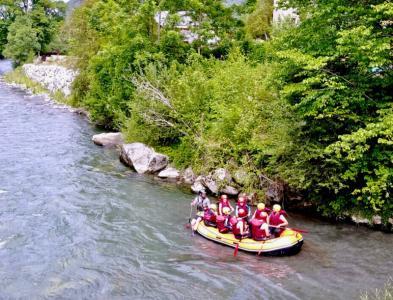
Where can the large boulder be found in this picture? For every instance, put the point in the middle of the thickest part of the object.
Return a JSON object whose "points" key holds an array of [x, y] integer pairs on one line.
{"points": [[241, 176], [360, 220], [142, 158], [108, 139], [188, 176], [198, 184], [170, 173], [229, 190], [222, 175], [377, 220], [211, 184]]}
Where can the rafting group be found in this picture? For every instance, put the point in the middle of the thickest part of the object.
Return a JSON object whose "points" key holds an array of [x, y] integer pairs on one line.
{"points": [[263, 224]]}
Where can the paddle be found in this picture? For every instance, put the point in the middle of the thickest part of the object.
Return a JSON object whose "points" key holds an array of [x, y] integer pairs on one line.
{"points": [[294, 229], [236, 250], [299, 230], [188, 225]]}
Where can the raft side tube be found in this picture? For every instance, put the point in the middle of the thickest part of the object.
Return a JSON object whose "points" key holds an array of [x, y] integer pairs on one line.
{"points": [[289, 243]]}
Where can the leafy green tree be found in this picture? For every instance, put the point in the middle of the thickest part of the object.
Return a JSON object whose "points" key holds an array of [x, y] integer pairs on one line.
{"points": [[22, 40], [339, 85], [259, 22]]}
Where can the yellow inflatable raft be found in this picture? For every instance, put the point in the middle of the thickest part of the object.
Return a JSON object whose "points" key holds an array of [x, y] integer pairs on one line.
{"points": [[290, 242]]}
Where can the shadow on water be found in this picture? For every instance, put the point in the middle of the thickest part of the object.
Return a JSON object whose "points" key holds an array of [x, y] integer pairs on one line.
{"points": [[76, 224]]}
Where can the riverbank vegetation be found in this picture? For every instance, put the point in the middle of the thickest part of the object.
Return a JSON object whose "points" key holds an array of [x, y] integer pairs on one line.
{"points": [[385, 293], [18, 76], [29, 28], [307, 104]]}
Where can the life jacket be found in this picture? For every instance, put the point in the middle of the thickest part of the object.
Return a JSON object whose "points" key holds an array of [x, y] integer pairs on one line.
{"points": [[223, 204], [235, 229], [223, 224], [209, 217], [260, 216], [244, 206], [274, 218], [256, 232]]}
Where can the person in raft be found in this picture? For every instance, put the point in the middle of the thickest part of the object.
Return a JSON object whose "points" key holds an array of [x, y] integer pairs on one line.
{"points": [[242, 204], [223, 221], [201, 200], [277, 221], [239, 224], [261, 213], [209, 216], [224, 202], [258, 224]]}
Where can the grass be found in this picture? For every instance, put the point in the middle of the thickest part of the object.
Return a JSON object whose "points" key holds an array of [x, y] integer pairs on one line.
{"points": [[19, 77], [385, 293]]}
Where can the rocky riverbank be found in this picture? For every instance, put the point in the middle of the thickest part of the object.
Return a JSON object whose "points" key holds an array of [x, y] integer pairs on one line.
{"points": [[55, 78], [145, 160], [50, 79]]}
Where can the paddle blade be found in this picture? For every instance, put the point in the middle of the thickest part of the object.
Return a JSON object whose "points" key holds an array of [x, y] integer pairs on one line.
{"points": [[299, 230], [236, 250]]}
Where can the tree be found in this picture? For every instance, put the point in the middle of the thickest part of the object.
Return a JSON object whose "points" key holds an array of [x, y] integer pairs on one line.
{"points": [[340, 86], [22, 40], [259, 22]]}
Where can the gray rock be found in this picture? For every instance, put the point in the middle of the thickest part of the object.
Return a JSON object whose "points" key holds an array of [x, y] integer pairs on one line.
{"points": [[108, 139], [377, 220], [240, 177], [198, 184], [142, 158], [188, 176], [222, 175], [229, 190], [359, 220], [211, 184], [390, 221], [169, 172]]}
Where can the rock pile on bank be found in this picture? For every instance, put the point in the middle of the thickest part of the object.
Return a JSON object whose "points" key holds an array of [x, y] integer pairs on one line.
{"points": [[145, 160], [53, 77]]}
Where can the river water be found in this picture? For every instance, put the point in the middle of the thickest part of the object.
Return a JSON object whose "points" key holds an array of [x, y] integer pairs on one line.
{"points": [[76, 224]]}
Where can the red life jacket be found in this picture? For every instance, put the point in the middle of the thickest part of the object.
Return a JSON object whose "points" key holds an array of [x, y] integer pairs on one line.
{"points": [[221, 226], [274, 218], [244, 206], [223, 205], [256, 232], [260, 216], [209, 217], [235, 229]]}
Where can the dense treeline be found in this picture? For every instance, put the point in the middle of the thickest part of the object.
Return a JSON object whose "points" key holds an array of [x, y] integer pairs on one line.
{"points": [[30, 27], [309, 104], [218, 85]]}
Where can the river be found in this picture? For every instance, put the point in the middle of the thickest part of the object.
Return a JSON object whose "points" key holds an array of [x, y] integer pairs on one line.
{"points": [[76, 224]]}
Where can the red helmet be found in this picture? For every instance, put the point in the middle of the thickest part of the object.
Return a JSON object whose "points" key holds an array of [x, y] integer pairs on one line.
{"points": [[242, 213]]}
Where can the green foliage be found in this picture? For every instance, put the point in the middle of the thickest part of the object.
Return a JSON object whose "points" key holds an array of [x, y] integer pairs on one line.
{"points": [[310, 105], [339, 85], [29, 27], [259, 22], [22, 41], [18, 76], [217, 111]]}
